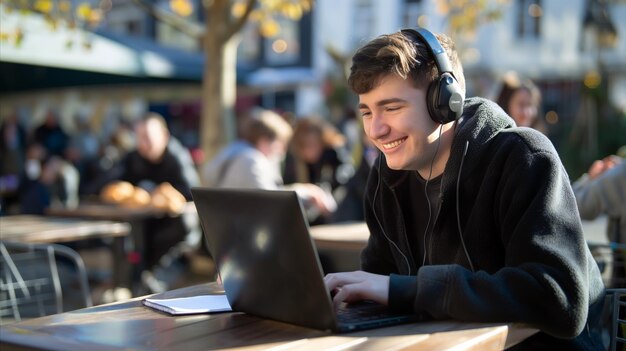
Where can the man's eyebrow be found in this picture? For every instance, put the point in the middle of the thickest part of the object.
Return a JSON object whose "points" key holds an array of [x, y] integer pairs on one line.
{"points": [[383, 102]]}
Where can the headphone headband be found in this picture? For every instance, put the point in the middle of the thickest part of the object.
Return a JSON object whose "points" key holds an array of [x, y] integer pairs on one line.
{"points": [[432, 44], [445, 96]]}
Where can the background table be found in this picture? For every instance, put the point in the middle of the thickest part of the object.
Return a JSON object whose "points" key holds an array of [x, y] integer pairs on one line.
{"points": [[135, 216], [46, 229], [339, 245], [130, 325]]}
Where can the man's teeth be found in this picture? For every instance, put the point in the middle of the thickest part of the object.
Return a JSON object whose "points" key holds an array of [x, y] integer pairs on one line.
{"points": [[393, 144]]}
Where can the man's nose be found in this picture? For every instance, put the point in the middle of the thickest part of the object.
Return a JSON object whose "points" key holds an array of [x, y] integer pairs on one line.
{"points": [[377, 127]]}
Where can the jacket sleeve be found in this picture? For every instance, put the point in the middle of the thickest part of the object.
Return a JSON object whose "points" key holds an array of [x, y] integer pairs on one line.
{"points": [[548, 274], [603, 195]]}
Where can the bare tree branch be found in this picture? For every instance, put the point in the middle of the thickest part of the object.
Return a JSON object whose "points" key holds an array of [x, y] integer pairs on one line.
{"points": [[194, 30], [241, 21]]}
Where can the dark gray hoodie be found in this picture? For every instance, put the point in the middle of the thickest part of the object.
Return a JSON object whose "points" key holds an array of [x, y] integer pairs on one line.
{"points": [[519, 223]]}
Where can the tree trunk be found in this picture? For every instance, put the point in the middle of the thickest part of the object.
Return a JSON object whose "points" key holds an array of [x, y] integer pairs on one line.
{"points": [[219, 82]]}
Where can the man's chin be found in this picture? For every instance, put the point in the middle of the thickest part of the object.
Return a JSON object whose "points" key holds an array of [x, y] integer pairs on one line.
{"points": [[396, 166]]}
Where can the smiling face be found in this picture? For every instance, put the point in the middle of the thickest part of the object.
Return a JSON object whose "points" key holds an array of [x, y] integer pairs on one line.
{"points": [[396, 120]]}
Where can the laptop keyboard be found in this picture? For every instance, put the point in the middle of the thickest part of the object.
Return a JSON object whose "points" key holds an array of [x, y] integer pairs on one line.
{"points": [[361, 312]]}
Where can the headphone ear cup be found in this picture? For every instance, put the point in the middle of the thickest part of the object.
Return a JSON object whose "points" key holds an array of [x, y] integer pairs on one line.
{"points": [[436, 109], [431, 102], [445, 99]]}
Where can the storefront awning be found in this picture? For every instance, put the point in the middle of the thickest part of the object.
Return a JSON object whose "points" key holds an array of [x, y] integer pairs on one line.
{"points": [[101, 52]]}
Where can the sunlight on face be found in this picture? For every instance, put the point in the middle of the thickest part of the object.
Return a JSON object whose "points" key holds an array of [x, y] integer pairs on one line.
{"points": [[396, 120]]}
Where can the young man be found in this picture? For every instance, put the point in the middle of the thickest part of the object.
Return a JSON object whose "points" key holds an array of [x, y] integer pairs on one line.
{"points": [[470, 218]]}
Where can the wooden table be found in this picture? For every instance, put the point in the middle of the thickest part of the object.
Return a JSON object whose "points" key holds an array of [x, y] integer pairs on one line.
{"points": [[339, 245], [135, 216], [45, 229], [107, 211], [129, 325]]}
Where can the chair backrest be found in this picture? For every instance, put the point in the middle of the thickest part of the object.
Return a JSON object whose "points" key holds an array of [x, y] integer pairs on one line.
{"points": [[617, 332], [40, 279]]}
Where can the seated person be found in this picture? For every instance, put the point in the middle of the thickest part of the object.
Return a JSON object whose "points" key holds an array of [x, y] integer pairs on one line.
{"points": [[161, 166], [470, 218], [602, 191], [318, 155], [254, 161], [46, 181]]}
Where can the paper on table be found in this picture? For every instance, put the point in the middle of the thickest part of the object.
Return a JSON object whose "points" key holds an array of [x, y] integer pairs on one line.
{"points": [[190, 305]]}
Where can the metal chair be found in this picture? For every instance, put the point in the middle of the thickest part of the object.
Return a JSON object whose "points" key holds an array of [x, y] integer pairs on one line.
{"points": [[40, 279], [617, 332]]}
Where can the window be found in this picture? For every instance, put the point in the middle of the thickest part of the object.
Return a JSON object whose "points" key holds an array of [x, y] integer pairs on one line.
{"points": [[284, 48], [134, 27], [529, 18], [412, 12], [249, 51], [363, 22]]}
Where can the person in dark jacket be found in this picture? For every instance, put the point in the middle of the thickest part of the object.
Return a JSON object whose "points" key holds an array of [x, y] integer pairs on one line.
{"points": [[160, 159], [471, 218]]}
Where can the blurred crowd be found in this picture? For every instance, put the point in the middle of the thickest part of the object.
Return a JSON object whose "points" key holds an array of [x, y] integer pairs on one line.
{"points": [[46, 166], [142, 165]]}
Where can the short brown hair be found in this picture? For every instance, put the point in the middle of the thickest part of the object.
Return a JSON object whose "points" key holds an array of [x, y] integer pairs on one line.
{"points": [[323, 131], [401, 55], [265, 124]]}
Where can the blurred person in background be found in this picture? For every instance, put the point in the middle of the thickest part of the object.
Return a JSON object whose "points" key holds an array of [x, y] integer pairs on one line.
{"points": [[602, 191], [46, 181], [106, 166], [521, 99], [12, 155], [318, 155], [83, 147], [159, 166], [254, 161], [51, 135]]}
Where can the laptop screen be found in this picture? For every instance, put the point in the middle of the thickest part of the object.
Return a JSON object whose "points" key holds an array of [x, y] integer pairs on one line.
{"points": [[267, 260]]}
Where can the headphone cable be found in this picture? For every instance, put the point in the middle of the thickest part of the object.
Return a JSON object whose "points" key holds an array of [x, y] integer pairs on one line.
{"points": [[430, 173]]}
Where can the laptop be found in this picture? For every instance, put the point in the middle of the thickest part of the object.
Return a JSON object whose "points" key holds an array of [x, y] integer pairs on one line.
{"points": [[268, 262]]}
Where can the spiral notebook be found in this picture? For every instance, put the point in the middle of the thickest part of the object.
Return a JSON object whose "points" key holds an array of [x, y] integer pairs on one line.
{"points": [[190, 305]]}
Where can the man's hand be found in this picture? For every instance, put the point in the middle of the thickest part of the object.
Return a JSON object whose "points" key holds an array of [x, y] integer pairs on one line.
{"points": [[357, 286]]}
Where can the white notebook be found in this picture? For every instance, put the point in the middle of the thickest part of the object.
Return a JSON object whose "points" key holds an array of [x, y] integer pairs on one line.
{"points": [[190, 305]]}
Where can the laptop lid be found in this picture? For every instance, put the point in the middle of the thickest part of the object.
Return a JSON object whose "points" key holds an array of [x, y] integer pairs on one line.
{"points": [[267, 260]]}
